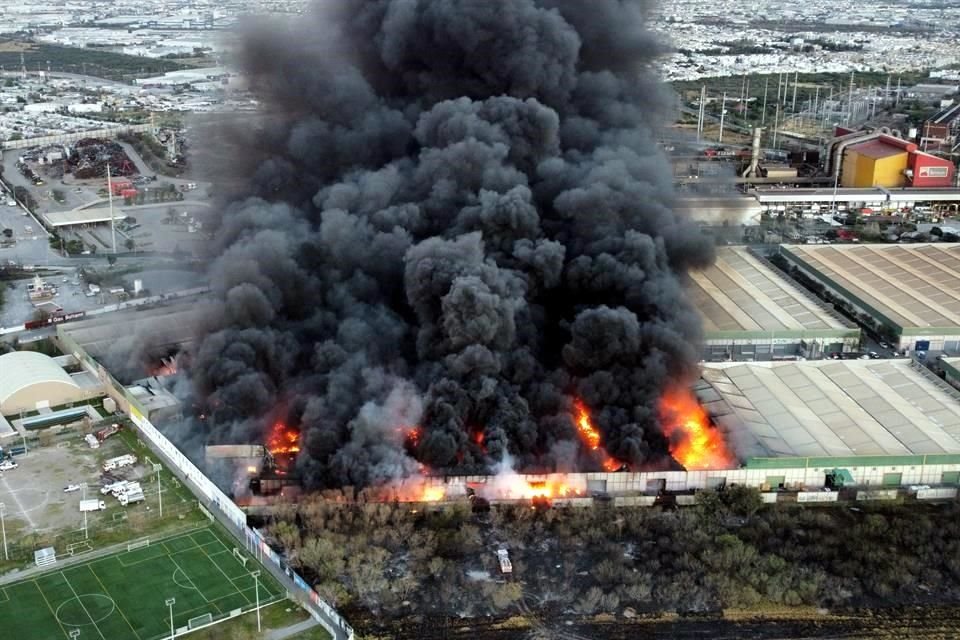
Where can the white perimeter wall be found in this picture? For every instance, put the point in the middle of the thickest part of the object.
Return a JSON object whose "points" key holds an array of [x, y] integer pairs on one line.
{"points": [[624, 483]]}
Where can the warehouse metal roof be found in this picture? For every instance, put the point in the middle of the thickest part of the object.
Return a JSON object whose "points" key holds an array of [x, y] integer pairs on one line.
{"points": [[913, 286], [832, 409], [741, 292]]}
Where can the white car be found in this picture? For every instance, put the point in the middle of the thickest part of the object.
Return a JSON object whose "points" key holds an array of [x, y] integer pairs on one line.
{"points": [[7, 465], [70, 488]]}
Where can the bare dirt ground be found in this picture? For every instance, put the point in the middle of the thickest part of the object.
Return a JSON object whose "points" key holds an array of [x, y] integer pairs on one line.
{"points": [[925, 623], [33, 493]]}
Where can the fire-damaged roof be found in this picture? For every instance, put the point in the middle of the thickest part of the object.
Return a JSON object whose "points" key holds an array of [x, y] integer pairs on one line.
{"points": [[831, 409]]}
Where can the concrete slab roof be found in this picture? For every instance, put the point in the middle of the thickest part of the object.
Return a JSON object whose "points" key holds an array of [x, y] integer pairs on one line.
{"points": [[830, 408], [913, 286], [741, 292]]}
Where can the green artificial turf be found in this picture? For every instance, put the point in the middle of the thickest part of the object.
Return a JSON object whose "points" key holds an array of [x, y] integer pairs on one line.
{"points": [[123, 596]]}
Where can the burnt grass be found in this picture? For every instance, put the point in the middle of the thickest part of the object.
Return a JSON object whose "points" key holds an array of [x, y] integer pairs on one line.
{"points": [[727, 567]]}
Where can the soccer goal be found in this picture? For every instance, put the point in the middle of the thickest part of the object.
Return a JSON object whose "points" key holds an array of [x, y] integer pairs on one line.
{"points": [[239, 556], [199, 621], [78, 547], [139, 544]]}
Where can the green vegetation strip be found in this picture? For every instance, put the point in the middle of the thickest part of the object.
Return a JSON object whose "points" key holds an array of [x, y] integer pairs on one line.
{"points": [[123, 596]]}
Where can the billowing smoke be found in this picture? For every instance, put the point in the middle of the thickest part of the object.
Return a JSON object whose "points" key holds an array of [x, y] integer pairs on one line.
{"points": [[453, 214]]}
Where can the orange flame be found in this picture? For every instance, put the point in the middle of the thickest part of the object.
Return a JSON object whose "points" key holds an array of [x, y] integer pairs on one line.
{"points": [[433, 494], [411, 434], [694, 442], [590, 435], [283, 439]]}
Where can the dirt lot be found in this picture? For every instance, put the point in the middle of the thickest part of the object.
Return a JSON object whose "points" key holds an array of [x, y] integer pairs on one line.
{"points": [[33, 493]]}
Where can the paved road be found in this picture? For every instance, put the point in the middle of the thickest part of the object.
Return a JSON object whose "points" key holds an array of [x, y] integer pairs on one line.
{"points": [[292, 630]]}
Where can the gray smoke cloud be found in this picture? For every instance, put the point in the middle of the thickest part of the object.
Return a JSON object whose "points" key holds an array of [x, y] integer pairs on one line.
{"points": [[452, 212]]}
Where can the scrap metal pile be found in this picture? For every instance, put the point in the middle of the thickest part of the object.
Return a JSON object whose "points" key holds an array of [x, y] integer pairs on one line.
{"points": [[91, 156]]}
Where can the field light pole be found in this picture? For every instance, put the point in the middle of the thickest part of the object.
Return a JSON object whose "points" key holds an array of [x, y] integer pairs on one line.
{"points": [[85, 534], [3, 527], [256, 588], [170, 602], [156, 467]]}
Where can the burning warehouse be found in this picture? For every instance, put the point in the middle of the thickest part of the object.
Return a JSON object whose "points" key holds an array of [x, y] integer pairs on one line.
{"points": [[778, 426], [445, 255]]}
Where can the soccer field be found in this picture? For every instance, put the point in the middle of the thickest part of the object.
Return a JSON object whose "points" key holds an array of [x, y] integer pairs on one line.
{"points": [[123, 596]]}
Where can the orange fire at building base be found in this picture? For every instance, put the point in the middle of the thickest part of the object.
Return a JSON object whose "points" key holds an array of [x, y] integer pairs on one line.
{"points": [[694, 442]]}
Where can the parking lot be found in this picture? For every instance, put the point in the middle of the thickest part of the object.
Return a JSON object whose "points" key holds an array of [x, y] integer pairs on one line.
{"points": [[33, 493], [162, 277]]}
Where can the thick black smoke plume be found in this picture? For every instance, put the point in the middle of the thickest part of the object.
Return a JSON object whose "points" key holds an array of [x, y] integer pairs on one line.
{"points": [[454, 215]]}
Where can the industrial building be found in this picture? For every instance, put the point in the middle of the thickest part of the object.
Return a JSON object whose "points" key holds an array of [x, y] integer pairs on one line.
{"points": [[887, 422], [31, 381], [165, 330], [877, 425], [750, 311], [909, 291], [868, 159]]}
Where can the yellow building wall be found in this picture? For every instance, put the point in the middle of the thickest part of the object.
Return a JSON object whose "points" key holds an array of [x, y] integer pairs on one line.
{"points": [[848, 176], [888, 172], [861, 171], [866, 170]]}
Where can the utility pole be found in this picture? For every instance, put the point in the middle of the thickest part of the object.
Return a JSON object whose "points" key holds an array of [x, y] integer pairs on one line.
{"points": [[256, 586], [156, 467], [850, 101], [776, 125], [170, 602], [816, 106], [703, 102], [723, 111], [796, 77], [746, 102], [113, 226], [763, 114], [3, 527], [85, 532]]}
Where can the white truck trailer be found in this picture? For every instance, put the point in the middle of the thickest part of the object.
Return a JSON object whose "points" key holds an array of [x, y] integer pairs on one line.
{"points": [[131, 497], [92, 505], [119, 462]]}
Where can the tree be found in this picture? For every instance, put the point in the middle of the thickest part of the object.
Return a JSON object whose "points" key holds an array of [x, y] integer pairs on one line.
{"points": [[589, 602], [129, 244], [507, 594]]}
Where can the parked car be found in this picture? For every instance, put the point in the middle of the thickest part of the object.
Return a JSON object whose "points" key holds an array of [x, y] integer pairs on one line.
{"points": [[70, 488], [7, 465]]}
